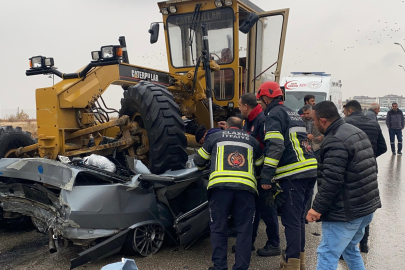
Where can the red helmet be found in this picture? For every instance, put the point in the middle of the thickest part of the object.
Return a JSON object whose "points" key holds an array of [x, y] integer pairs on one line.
{"points": [[269, 89]]}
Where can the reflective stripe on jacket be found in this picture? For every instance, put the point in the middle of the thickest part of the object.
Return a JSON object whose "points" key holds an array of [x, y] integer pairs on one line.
{"points": [[235, 157], [287, 151]]}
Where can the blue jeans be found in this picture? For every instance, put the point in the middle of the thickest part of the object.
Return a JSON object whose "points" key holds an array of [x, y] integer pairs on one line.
{"points": [[393, 133], [341, 238]]}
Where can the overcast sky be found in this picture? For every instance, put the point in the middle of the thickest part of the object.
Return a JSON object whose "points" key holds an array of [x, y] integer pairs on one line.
{"points": [[352, 40]]}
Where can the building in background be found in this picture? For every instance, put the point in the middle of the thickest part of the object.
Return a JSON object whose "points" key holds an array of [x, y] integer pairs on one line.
{"points": [[387, 100], [365, 99]]}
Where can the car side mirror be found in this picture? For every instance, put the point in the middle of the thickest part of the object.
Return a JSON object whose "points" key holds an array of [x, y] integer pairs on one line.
{"points": [[249, 22], [154, 32]]}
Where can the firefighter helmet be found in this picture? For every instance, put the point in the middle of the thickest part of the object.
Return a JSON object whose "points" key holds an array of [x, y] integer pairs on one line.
{"points": [[269, 89]]}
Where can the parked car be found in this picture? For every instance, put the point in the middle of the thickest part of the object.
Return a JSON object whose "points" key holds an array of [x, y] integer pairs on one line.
{"points": [[403, 111], [106, 211], [382, 115]]}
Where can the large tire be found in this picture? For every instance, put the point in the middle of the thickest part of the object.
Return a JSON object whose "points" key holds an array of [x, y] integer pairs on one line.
{"points": [[162, 121], [13, 138]]}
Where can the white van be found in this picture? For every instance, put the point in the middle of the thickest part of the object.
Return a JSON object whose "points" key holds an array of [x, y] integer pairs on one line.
{"points": [[319, 84]]}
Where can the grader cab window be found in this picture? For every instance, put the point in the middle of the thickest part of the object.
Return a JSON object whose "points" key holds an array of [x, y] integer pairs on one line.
{"points": [[185, 37], [268, 41]]}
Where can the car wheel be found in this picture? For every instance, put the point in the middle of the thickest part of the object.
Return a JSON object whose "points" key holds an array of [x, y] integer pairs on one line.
{"points": [[147, 240]]}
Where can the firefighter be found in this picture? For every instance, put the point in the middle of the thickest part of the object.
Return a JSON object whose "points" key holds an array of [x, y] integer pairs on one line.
{"points": [[289, 161], [254, 117], [235, 156]]}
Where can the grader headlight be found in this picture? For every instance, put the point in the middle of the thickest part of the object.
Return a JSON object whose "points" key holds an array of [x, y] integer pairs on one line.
{"points": [[172, 9], [49, 62], [165, 11], [218, 3], [95, 55], [228, 3], [37, 62], [111, 52]]}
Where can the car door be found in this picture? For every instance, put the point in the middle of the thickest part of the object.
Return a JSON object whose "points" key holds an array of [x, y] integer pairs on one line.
{"points": [[192, 225]]}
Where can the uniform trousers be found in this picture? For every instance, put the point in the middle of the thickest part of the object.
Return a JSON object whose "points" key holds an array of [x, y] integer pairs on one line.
{"points": [[297, 193], [241, 204]]}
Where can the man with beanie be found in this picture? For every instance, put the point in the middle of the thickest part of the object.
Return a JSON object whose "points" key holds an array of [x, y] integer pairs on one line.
{"points": [[289, 160], [201, 134]]}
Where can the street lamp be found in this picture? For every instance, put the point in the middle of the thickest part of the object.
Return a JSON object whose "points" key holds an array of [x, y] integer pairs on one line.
{"points": [[396, 43], [402, 67]]}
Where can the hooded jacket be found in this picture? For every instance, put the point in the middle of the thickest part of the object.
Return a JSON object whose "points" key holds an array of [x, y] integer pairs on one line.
{"points": [[347, 179], [288, 152]]}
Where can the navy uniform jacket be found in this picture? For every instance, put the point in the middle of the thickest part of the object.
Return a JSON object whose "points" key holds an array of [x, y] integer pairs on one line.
{"points": [[288, 153], [234, 156]]}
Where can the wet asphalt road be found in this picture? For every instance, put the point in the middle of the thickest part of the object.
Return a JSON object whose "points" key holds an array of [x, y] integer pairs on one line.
{"points": [[27, 249]]}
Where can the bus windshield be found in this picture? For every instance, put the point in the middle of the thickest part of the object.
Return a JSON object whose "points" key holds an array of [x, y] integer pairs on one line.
{"points": [[295, 99]]}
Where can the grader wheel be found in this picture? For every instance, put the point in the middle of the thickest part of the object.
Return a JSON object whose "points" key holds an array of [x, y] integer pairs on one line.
{"points": [[13, 138], [160, 127]]}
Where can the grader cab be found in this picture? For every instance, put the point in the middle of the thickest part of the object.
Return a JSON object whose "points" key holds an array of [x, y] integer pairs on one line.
{"points": [[217, 50]]}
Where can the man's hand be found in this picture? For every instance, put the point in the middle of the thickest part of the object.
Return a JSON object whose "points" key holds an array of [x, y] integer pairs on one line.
{"points": [[313, 216], [310, 136], [266, 187], [320, 138], [222, 124]]}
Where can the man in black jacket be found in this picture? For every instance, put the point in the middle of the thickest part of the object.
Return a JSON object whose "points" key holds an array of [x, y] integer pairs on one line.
{"points": [[355, 117], [231, 189], [290, 161], [348, 192], [254, 125], [395, 124]]}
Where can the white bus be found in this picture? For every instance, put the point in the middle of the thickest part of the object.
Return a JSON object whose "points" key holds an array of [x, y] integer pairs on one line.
{"points": [[319, 84]]}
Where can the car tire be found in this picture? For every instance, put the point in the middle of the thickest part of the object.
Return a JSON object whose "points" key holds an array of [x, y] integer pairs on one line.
{"points": [[144, 240], [12, 138], [153, 107]]}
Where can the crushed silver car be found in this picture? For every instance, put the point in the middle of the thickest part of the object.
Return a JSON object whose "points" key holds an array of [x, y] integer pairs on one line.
{"points": [[85, 203]]}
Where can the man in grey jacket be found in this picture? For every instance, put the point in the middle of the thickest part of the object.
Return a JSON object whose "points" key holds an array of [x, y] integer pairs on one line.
{"points": [[373, 111], [395, 124]]}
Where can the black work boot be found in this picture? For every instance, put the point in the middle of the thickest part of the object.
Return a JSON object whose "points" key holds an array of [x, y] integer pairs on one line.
{"points": [[234, 248], [363, 247], [269, 250]]}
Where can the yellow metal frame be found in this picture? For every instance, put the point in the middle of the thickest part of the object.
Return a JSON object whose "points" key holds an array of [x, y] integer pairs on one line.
{"points": [[62, 130]]}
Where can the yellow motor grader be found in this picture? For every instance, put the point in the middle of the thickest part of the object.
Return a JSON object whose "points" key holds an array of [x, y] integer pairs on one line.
{"points": [[217, 50]]}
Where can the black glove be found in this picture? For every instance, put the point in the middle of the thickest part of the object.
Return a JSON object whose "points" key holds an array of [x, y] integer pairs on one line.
{"points": [[275, 195]]}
